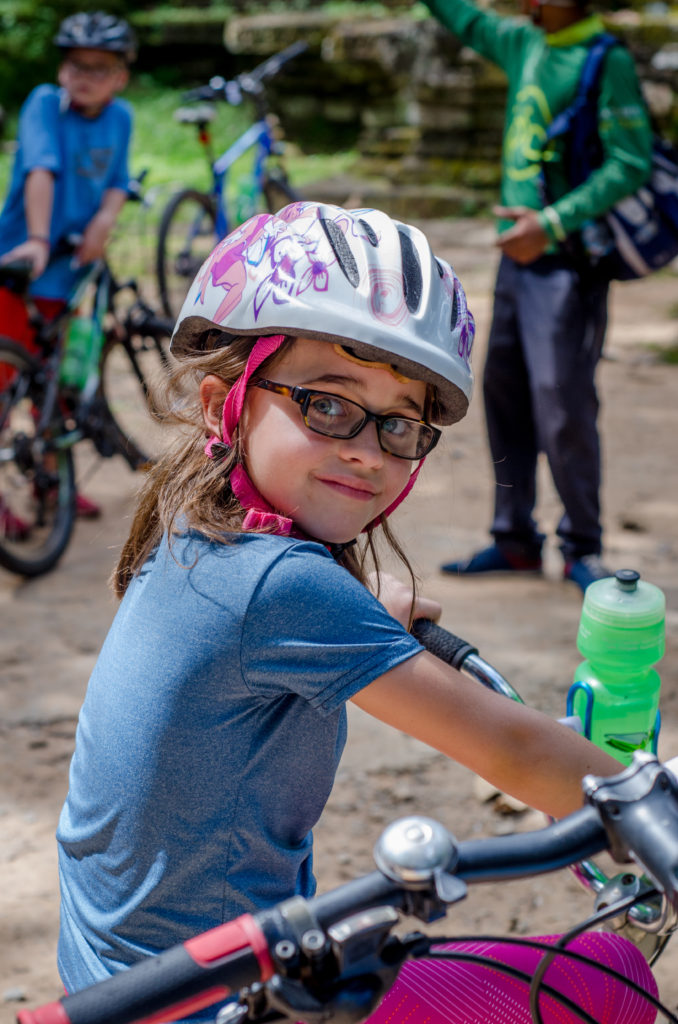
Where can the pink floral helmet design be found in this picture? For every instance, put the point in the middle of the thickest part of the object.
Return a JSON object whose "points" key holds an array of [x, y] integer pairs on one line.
{"points": [[353, 277]]}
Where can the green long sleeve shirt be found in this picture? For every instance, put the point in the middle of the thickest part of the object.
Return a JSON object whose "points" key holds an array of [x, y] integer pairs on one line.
{"points": [[543, 72]]}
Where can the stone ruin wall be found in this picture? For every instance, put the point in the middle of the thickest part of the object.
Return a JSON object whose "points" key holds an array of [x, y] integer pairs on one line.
{"points": [[425, 114]]}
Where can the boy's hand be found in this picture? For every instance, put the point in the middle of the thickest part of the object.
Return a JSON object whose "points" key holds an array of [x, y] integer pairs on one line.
{"points": [[397, 599], [526, 240], [94, 239], [96, 233], [33, 250]]}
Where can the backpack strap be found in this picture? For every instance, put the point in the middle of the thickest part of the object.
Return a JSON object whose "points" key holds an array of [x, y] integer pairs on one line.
{"points": [[588, 84]]}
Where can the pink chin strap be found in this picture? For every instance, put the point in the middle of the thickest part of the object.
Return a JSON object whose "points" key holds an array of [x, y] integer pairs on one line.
{"points": [[260, 515]]}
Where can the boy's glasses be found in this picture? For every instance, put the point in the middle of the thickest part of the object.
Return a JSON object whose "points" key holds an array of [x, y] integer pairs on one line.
{"points": [[334, 416], [97, 71]]}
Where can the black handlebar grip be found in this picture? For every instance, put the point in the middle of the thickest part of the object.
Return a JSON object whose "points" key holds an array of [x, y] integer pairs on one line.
{"points": [[177, 983], [445, 645]]}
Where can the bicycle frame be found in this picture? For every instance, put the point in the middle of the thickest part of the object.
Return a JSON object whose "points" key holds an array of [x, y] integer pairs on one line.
{"points": [[258, 137]]}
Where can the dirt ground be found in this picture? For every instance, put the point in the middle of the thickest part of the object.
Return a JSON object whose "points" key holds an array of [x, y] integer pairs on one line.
{"points": [[52, 629]]}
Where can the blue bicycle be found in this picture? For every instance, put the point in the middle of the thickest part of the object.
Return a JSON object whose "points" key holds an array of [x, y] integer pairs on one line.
{"points": [[194, 221]]}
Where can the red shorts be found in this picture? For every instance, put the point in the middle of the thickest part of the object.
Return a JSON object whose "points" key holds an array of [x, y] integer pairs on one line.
{"points": [[14, 323]]}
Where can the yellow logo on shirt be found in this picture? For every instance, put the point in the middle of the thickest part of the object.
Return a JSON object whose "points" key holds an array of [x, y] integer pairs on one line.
{"points": [[526, 136]]}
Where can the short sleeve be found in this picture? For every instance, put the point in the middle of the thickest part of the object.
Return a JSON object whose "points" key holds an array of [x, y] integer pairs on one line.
{"points": [[313, 630], [37, 135]]}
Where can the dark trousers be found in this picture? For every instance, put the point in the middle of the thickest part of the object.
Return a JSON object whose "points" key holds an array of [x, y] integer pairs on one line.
{"points": [[546, 338]]}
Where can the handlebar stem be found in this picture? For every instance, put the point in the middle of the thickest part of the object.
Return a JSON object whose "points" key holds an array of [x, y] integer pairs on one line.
{"points": [[641, 824]]}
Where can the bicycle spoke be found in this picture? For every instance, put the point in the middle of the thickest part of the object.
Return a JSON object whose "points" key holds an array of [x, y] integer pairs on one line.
{"points": [[130, 371], [37, 486], [187, 236]]}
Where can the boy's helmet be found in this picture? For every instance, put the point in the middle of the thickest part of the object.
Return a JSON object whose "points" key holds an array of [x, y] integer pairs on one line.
{"points": [[353, 277], [96, 30]]}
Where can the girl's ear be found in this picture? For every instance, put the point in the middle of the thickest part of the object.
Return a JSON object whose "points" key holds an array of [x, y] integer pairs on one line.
{"points": [[213, 391]]}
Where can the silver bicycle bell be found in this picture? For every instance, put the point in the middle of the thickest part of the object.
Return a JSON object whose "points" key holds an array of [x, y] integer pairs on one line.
{"points": [[416, 851]]}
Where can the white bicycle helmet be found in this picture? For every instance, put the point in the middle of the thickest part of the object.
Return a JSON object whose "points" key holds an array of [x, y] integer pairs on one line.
{"points": [[353, 277]]}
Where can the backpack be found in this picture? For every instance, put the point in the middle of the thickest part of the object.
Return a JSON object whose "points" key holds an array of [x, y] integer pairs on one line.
{"points": [[639, 234]]}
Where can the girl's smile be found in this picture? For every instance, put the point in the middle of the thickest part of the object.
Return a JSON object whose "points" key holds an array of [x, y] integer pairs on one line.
{"points": [[331, 487]]}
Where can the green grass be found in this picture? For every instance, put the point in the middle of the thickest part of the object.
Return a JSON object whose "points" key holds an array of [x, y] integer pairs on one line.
{"points": [[667, 354]]}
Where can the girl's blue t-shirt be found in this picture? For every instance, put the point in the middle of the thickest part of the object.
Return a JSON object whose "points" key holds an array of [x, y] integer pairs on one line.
{"points": [[208, 743], [87, 156]]}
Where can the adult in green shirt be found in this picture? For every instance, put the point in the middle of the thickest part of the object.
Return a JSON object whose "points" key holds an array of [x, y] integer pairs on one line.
{"points": [[550, 311]]}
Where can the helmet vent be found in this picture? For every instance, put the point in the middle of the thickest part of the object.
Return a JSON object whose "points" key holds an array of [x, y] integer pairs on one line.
{"points": [[412, 279], [342, 251], [371, 234], [441, 269], [454, 315]]}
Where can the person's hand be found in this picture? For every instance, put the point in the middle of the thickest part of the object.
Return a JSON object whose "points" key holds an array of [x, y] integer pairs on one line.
{"points": [[34, 251], [396, 598], [526, 240], [94, 239]]}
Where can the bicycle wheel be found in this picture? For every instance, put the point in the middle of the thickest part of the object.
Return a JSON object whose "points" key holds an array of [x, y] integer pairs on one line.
{"points": [[133, 364], [278, 192], [37, 479], [186, 237]]}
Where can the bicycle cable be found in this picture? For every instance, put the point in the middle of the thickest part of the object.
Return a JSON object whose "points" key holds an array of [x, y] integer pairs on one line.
{"points": [[559, 949], [551, 952]]}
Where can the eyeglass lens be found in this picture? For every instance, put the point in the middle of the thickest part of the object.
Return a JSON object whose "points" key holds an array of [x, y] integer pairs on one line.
{"points": [[339, 417]]}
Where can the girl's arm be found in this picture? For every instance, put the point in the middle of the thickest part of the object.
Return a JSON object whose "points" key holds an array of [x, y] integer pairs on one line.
{"points": [[516, 748]]}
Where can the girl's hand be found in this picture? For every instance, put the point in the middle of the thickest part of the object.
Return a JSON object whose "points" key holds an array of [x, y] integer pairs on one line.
{"points": [[396, 598]]}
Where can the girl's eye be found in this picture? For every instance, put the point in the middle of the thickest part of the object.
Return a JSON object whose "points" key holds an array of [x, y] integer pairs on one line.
{"points": [[398, 427], [330, 406]]}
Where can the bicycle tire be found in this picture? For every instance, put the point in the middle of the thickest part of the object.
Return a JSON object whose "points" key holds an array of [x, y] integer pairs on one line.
{"points": [[186, 236], [37, 477], [278, 192], [132, 365]]}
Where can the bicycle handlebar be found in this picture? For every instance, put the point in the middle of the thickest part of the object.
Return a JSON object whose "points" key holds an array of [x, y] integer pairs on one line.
{"points": [[422, 869], [248, 83]]}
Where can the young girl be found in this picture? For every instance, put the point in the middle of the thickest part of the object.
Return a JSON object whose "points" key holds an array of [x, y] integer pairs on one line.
{"points": [[215, 717]]}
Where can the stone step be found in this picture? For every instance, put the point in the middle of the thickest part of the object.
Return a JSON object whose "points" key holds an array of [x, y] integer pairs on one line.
{"points": [[405, 202]]}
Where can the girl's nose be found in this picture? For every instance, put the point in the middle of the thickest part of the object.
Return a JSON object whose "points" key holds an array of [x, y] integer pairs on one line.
{"points": [[364, 447]]}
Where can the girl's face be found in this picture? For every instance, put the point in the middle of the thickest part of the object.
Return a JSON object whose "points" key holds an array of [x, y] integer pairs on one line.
{"points": [[331, 487]]}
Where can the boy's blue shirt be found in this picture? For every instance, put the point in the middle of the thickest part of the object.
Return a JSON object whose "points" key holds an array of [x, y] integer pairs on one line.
{"points": [[87, 156]]}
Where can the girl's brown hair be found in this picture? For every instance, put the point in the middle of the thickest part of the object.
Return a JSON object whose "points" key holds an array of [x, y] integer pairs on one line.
{"points": [[187, 486]]}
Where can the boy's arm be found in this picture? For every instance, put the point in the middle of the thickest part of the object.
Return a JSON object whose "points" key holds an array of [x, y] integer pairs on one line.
{"points": [[496, 37], [99, 228], [38, 203]]}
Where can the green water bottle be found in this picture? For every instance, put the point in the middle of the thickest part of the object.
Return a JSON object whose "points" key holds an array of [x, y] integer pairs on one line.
{"points": [[616, 689], [82, 347]]}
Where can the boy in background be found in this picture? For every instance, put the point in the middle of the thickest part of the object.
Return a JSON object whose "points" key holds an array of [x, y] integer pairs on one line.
{"points": [[70, 174]]}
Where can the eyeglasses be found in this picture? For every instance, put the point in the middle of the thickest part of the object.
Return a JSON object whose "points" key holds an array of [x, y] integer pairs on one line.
{"points": [[334, 416], [97, 71]]}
